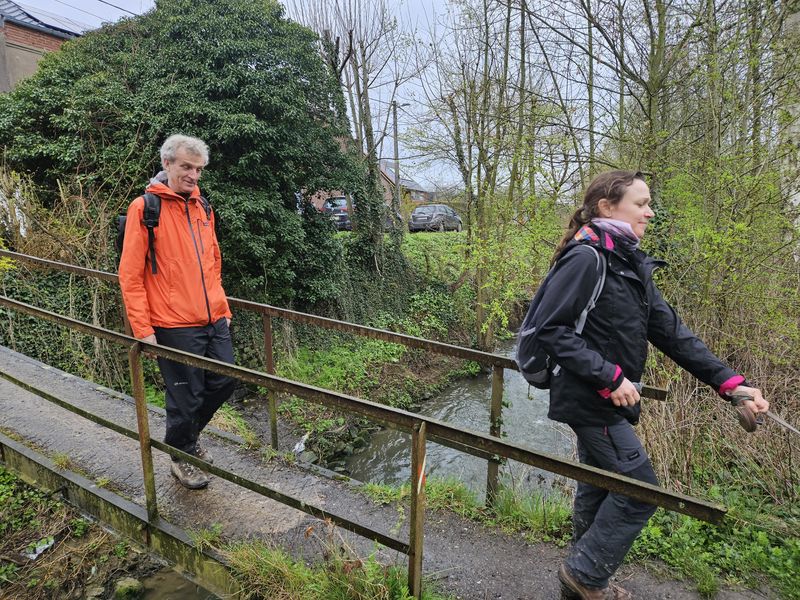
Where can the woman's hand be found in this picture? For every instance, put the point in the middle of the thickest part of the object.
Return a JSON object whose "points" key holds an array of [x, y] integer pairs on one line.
{"points": [[625, 395], [757, 404]]}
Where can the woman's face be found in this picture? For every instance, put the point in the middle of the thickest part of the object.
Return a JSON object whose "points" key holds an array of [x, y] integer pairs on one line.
{"points": [[633, 208]]}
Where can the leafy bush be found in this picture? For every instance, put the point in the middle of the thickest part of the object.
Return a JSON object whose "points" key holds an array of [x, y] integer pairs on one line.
{"points": [[236, 73]]}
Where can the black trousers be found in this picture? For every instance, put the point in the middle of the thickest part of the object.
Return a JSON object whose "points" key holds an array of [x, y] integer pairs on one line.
{"points": [[193, 395], [605, 524]]}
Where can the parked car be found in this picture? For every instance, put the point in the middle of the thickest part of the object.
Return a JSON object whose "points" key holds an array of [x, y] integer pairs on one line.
{"points": [[336, 208], [434, 217]]}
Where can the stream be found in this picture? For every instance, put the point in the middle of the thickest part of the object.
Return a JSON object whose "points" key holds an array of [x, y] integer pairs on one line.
{"points": [[387, 456]]}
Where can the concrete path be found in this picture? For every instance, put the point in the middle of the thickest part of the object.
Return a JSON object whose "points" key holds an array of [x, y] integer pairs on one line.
{"points": [[461, 557]]}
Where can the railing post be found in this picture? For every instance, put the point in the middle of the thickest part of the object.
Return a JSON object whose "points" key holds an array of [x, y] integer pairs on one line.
{"points": [[269, 361], [137, 383], [495, 429], [417, 520]]}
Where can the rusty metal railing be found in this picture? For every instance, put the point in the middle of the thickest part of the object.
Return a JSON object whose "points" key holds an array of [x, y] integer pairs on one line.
{"points": [[497, 362], [421, 428]]}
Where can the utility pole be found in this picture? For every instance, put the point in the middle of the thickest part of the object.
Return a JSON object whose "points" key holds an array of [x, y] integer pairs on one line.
{"points": [[396, 195]]}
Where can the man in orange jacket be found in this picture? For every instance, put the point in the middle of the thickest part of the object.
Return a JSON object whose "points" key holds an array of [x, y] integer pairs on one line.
{"points": [[180, 303]]}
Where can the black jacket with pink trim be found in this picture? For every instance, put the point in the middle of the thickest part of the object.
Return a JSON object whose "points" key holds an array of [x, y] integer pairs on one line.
{"points": [[629, 312]]}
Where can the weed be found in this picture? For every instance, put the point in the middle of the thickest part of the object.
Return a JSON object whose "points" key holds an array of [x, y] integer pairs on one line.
{"points": [[121, 549], [61, 460], [738, 549], [8, 572], [207, 538], [227, 418], [546, 516], [102, 482], [543, 517], [78, 527], [267, 572], [154, 396], [268, 453], [385, 494]]}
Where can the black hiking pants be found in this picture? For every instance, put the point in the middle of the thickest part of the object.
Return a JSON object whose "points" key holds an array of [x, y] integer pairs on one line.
{"points": [[605, 524], [193, 395]]}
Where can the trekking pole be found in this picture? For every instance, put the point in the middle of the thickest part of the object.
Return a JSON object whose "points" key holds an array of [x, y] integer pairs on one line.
{"points": [[750, 420]]}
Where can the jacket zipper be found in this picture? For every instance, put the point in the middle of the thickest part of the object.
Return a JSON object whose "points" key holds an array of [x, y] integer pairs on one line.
{"points": [[199, 259]]}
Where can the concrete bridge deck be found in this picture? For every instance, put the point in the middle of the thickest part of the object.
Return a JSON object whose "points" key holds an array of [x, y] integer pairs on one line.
{"points": [[463, 558]]}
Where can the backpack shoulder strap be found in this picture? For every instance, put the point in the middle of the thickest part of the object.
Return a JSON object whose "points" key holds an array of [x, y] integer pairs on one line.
{"points": [[206, 206], [150, 217], [598, 289]]}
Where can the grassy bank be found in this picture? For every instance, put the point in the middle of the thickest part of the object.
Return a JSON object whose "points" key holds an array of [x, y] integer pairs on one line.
{"points": [[373, 370], [74, 557], [49, 551], [267, 572]]}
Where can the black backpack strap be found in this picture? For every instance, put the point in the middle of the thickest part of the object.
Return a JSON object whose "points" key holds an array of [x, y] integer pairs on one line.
{"points": [[152, 212], [206, 206]]}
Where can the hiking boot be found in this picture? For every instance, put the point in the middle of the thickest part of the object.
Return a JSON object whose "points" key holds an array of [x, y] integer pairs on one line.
{"points": [[190, 476], [620, 593], [203, 454], [571, 588]]}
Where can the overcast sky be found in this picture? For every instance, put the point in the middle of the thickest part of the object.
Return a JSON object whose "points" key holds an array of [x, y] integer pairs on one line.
{"points": [[82, 15]]}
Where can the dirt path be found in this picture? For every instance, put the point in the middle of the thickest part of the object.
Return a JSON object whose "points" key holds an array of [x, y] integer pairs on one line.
{"points": [[462, 557]]}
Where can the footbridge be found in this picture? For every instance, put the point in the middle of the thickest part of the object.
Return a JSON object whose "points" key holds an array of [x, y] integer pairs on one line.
{"points": [[46, 411]]}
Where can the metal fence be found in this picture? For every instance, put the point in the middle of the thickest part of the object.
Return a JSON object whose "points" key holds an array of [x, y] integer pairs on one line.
{"points": [[421, 428]]}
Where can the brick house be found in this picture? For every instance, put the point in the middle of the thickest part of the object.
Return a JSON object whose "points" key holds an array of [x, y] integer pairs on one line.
{"points": [[24, 39]]}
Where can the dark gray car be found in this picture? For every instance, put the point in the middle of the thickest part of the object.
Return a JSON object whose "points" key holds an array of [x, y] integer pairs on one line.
{"points": [[434, 217]]}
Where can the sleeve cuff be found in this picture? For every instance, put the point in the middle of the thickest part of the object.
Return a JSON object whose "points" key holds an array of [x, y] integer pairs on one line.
{"points": [[143, 333], [616, 381], [730, 385]]}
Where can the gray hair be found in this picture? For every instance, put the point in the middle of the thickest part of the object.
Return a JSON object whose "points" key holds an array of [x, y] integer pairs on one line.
{"points": [[177, 141]]}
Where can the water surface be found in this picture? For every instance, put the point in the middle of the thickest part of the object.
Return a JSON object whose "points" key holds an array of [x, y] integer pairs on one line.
{"points": [[387, 457]]}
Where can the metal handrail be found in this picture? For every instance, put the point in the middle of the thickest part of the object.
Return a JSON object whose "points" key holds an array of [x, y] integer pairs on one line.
{"points": [[420, 427], [463, 439], [484, 358]]}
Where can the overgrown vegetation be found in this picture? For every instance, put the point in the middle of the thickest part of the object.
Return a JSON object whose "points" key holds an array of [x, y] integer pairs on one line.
{"points": [[755, 545], [48, 551], [265, 572], [541, 517]]}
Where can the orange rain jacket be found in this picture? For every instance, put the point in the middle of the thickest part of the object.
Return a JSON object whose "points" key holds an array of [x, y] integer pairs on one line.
{"points": [[187, 290]]}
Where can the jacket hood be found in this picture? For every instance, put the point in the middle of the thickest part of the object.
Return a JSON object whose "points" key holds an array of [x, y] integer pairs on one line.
{"points": [[158, 185]]}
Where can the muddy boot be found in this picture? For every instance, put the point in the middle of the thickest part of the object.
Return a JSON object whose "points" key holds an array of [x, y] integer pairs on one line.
{"points": [[571, 588], [620, 593], [202, 453], [190, 476]]}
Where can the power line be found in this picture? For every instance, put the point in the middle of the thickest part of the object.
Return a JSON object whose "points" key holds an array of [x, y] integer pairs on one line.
{"points": [[74, 8], [34, 10], [119, 8]]}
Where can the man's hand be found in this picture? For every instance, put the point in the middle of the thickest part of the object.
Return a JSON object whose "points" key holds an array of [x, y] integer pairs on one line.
{"points": [[228, 321], [150, 339], [625, 395], [757, 404]]}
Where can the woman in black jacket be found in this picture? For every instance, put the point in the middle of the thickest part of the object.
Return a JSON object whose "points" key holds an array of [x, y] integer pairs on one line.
{"points": [[591, 386]]}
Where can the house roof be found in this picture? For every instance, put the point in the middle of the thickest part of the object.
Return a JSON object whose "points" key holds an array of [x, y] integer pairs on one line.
{"points": [[409, 184], [39, 20]]}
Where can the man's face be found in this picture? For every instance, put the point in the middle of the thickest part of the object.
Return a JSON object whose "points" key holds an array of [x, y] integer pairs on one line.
{"points": [[184, 171]]}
